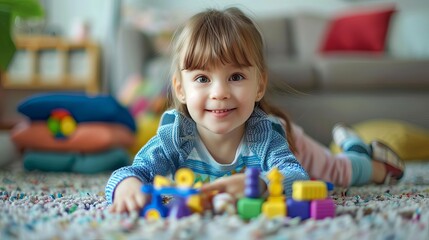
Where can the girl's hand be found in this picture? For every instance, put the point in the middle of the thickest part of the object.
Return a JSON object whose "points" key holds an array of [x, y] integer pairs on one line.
{"points": [[128, 196], [234, 185]]}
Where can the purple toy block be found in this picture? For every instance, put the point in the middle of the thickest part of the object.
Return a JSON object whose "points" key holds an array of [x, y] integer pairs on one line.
{"points": [[252, 172], [320, 209], [252, 183], [179, 209], [298, 209]]}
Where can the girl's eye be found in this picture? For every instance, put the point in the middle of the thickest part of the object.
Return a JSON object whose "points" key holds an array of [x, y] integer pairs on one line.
{"points": [[236, 77], [202, 79]]}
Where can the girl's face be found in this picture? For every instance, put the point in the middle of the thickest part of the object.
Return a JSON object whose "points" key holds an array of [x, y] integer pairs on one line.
{"points": [[220, 99]]}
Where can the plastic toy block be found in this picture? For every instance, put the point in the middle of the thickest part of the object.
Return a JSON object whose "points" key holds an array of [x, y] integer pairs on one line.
{"points": [[249, 208], [274, 208], [298, 209], [275, 175], [309, 190], [179, 209], [320, 209], [330, 186], [252, 183], [275, 189]]}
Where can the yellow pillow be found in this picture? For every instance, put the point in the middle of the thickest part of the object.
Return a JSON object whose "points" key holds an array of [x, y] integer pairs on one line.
{"points": [[409, 141]]}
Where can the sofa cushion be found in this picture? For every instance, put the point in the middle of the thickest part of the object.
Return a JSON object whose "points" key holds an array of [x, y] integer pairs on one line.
{"points": [[409, 34], [285, 73], [308, 28], [276, 34], [366, 71], [363, 30]]}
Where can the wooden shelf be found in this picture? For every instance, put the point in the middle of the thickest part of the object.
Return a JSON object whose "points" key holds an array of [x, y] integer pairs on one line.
{"points": [[52, 63]]}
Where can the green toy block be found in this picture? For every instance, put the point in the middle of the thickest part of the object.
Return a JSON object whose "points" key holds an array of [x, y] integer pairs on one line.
{"points": [[249, 208]]}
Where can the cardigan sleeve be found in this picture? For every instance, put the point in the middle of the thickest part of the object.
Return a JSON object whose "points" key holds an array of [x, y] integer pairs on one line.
{"points": [[268, 140], [279, 155], [160, 156]]}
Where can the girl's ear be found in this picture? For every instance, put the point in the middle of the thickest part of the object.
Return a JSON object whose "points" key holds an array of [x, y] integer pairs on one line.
{"points": [[262, 87], [178, 90]]}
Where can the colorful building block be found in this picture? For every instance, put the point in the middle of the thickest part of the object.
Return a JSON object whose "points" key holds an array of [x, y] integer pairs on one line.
{"points": [[252, 183], [309, 190], [298, 209], [249, 208], [275, 186], [323, 208], [274, 207]]}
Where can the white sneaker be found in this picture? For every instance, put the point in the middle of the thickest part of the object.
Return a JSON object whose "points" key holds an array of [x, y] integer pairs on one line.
{"points": [[341, 132]]}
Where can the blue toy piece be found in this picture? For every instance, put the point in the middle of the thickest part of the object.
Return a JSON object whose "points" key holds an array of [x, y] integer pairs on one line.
{"points": [[162, 186], [155, 209], [299, 209]]}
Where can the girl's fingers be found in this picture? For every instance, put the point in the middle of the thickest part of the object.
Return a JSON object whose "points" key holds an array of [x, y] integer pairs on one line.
{"points": [[118, 207], [218, 186], [140, 200], [131, 204]]}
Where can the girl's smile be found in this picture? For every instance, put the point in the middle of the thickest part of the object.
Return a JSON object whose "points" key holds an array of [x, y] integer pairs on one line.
{"points": [[221, 112]]}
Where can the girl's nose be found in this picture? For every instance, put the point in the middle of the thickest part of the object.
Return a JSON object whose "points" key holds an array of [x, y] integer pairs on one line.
{"points": [[220, 91]]}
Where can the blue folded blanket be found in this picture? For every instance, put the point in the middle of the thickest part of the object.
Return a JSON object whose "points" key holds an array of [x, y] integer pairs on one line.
{"points": [[76, 162]]}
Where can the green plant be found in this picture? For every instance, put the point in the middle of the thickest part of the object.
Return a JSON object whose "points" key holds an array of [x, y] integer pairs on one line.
{"points": [[9, 10]]}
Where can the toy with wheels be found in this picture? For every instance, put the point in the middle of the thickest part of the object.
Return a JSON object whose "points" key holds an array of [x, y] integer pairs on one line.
{"points": [[186, 196]]}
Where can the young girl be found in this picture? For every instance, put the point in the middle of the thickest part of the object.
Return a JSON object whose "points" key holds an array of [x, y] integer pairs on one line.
{"points": [[221, 123]]}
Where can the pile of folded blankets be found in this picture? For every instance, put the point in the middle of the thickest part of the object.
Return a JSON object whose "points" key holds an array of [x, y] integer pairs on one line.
{"points": [[74, 132]]}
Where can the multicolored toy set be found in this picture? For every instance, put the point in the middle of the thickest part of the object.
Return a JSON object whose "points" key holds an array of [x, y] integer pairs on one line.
{"points": [[309, 199]]}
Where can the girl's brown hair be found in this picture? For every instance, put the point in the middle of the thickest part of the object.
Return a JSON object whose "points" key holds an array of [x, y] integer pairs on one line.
{"points": [[222, 37]]}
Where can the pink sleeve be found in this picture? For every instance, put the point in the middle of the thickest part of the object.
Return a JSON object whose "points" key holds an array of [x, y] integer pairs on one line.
{"points": [[319, 162]]}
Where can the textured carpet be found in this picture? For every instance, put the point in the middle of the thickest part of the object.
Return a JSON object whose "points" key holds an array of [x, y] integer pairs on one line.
{"points": [[37, 205]]}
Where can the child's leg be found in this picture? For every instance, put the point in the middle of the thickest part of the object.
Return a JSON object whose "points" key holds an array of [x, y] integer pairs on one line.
{"points": [[362, 168], [358, 153], [319, 162], [385, 163]]}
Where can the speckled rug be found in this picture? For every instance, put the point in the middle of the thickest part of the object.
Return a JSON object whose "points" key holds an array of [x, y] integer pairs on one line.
{"points": [[36, 205]]}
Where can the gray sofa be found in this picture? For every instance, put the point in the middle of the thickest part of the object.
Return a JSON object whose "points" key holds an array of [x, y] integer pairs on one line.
{"points": [[319, 90], [316, 90]]}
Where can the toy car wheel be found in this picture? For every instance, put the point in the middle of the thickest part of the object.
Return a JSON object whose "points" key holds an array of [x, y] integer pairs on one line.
{"points": [[184, 177], [152, 214]]}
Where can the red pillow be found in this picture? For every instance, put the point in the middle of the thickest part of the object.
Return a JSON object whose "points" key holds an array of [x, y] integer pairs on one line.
{"points": [[358, 31]]}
